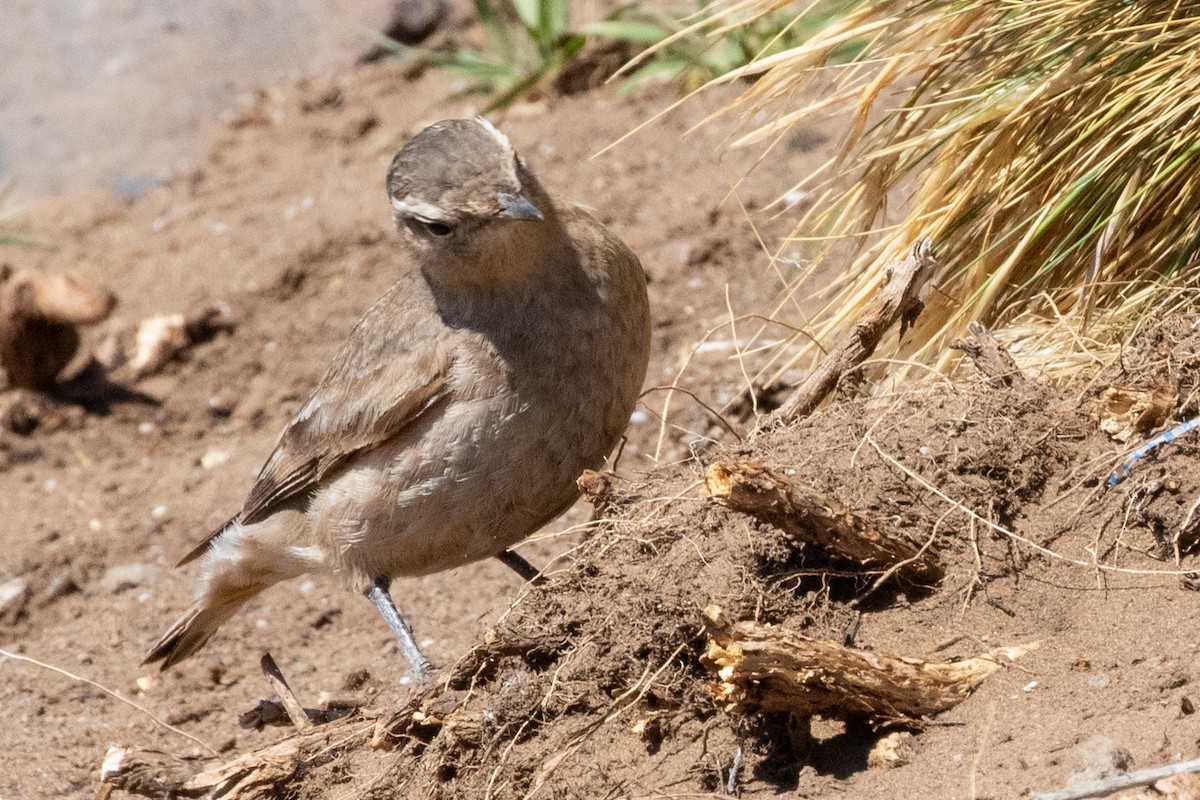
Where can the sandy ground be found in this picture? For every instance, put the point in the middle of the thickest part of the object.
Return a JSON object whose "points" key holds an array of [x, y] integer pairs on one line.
{"points": [[284, 227]]}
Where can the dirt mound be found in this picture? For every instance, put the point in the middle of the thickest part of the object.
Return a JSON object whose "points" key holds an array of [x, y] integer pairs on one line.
{"points": [[594, 683]]}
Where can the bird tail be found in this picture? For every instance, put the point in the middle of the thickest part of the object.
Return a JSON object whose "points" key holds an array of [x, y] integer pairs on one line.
{"points": [[237, 563], [194, 628]]}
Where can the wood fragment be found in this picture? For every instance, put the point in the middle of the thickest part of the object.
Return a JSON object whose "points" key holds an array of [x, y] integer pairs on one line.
{"points": [[765, 669], [990, 357], [39, 316], [291, 705], [258, 775], [810, 516], [899, 299]]}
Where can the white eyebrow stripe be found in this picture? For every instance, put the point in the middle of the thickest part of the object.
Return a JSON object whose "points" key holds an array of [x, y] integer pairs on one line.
{"points": [[417, 208], [497, 135]]}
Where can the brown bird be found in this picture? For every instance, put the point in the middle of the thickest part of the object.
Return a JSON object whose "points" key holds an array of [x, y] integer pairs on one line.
{"points": [[457, 417]]}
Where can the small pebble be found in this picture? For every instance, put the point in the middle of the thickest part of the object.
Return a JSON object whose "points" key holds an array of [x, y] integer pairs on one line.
{"points": [[12, 597], [214, 458], [220, 407], [61, 585], [794, 197], [122, 577]]}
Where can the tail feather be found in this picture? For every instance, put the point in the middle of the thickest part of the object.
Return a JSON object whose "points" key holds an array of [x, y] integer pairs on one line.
{"points": [[237, 563], [207, 544], [191, 631]]}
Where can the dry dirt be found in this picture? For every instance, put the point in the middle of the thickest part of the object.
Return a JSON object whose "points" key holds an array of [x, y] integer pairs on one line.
{"points": [[284, 227]]}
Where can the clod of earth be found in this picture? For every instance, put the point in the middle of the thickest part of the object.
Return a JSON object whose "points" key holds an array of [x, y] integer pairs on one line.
{"points": [[39, 316]]}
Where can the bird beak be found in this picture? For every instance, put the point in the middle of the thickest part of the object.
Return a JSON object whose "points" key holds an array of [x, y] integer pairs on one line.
{"points": [[515, 206]]}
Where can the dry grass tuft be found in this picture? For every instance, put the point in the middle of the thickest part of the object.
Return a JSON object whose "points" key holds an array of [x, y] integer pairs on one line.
{"points": [[1051, 148]]}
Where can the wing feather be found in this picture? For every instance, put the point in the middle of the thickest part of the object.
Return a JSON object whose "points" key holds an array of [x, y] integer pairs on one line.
{"points": [[391, 372]]}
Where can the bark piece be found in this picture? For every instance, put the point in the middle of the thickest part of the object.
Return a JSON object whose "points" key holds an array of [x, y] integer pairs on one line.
{"points": [[1128, 413], [899, 299], [805, 514], [258, 775], [764, 669], [990, 357], [39, 314]]}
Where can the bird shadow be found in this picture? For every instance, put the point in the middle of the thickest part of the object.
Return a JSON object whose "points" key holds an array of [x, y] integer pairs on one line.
{"points": [[93, 390]]}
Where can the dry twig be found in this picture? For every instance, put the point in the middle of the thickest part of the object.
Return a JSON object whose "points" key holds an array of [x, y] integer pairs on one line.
{"points": [[113, 694], [899, 299], [807, 515], [990, 357]]}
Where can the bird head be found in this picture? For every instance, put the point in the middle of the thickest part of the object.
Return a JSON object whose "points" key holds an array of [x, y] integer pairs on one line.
{"points": [[464, 200]]}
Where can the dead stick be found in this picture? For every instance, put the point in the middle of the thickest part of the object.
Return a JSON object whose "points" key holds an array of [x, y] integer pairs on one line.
{"points": [[266, 773], [899, 299], [810, 516], [763, 668], [1142, 777], [990, 357], [291, 705]]}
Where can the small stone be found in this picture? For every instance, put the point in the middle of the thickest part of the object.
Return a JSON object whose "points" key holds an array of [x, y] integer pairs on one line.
{"points": [[122, 577], [13, 596], [894, 750], [61, 585], [220, 407], [1099, 757], [414, 20], [214, 458]]}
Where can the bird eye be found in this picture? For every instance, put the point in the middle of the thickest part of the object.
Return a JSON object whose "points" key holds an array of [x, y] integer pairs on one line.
{"points": [[424, 227]]}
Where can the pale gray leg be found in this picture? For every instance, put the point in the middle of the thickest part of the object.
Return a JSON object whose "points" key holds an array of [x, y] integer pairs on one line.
{"points": [[519, 565], [378, 594]]}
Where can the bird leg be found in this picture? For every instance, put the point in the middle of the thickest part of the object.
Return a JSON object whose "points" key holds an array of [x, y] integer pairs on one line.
{"points": [[378, 594], [519, 565]]}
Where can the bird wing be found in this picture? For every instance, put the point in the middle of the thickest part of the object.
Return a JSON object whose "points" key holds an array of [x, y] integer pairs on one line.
{"points": [[389, 374], [340, 420]]}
